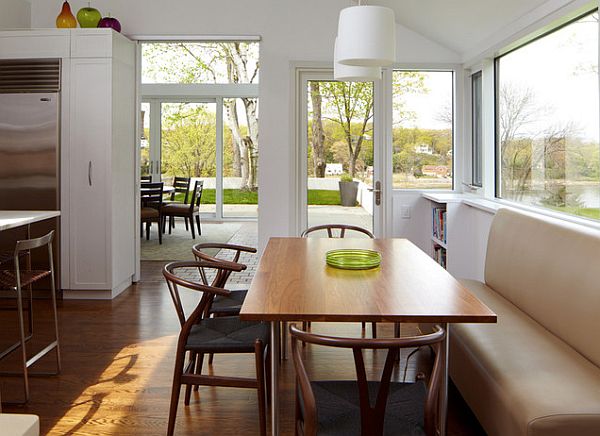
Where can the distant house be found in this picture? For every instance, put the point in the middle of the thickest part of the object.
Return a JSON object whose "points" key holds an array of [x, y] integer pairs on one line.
{"points": [[333, 169], [435, 170], [424, 149]]}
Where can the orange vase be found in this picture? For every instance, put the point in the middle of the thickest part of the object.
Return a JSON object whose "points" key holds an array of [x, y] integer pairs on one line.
{"points": [[66, 19]]}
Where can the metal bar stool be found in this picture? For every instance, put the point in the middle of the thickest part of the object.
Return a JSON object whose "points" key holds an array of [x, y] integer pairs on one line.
{"points": [[15, 280]]}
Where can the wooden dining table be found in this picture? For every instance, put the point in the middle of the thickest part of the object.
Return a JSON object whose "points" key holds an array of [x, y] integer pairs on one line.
{"points": [[294, 283]]}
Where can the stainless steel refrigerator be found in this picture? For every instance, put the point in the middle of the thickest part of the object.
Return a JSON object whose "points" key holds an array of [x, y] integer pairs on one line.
{"points": [[29, 147]]}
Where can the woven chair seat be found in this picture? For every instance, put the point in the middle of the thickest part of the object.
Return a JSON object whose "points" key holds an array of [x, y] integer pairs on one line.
{"points": [[230, 304], [227, 334], [8, 279], [338, 408]]}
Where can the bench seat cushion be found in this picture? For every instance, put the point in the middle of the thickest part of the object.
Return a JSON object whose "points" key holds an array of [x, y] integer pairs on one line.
{"points": [[19, 424], [520, 379]]}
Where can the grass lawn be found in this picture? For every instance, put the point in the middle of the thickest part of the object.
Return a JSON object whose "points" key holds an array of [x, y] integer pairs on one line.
{"points": [[586, 212], [238, 196]]}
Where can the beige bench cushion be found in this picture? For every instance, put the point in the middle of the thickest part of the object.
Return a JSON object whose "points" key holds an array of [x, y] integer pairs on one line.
{"points": [[19, 425], [518, 378], [550, 269]]}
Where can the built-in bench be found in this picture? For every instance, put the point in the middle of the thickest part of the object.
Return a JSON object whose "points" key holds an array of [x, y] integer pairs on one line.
{"points": [[537, 371], [19, 424]]}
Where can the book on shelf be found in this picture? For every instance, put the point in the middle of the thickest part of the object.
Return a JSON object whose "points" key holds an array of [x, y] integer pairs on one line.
{"points": [[439, 223], [439, 255]]}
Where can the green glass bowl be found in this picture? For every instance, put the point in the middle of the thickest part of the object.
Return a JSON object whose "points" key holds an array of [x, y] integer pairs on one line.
{"points": [[353, 258]]}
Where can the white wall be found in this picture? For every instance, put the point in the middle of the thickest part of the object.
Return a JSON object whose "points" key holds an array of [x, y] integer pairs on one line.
{"points": [[14, 14], [291, 30]]}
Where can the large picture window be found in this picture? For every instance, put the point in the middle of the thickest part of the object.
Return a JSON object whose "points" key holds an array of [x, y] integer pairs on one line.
{"points": [[547, 121], [422, 130]]}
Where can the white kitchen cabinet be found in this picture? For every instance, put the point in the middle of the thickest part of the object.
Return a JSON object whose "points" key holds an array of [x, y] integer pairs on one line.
{"points": [[97, 153], [101, 161]]}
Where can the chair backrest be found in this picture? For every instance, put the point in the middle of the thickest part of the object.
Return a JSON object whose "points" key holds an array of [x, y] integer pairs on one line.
{"points": [[181, 185], [146, 179], [228, 254], [175, 279], [29, 244], [372, 417], [197, 194], [342, 228], [152, 194]]}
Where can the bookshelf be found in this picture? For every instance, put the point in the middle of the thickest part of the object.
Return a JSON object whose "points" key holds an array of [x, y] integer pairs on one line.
{"points": [[439, 233], [443, 207]]}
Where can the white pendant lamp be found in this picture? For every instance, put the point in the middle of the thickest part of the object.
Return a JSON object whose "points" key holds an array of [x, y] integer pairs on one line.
{"points": [[367, 36], [348, 73]]}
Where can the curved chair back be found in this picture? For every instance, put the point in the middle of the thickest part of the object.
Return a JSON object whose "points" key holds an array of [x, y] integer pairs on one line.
{"points": [[342, 228], [228, 254], [175, 280], [372, 417]]}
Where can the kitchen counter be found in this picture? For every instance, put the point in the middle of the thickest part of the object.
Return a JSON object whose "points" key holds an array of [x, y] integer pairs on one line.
{"points": [[10, 219]]}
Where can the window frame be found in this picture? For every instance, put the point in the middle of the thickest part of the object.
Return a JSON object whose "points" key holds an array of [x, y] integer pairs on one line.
{"points": [[477, 129], [535, 36], [456, 77]]}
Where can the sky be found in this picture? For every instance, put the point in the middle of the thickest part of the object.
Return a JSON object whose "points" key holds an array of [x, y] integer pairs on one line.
{"points": [[561, 71], [427, 106]]}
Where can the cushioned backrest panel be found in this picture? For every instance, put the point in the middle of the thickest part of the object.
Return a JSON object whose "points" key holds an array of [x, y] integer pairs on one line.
{"points": [[550, 269]]}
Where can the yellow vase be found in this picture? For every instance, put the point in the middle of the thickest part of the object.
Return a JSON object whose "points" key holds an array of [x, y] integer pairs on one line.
{"points": [[66, 19]]}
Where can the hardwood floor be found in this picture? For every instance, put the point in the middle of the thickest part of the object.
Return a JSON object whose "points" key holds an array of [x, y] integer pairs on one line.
{"points": [[117, 370]]}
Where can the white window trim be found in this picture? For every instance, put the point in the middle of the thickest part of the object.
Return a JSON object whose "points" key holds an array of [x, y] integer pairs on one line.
{"points": [[459, 140]]}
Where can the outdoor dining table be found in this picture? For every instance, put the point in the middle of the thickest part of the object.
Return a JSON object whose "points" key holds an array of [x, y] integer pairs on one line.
{"points": [[294, 283], [166, 189]]}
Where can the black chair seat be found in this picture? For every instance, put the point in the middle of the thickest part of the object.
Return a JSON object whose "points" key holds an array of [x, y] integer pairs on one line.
{"points": [[149, 212], [178, 208], [228, 305], [338, 408], [227, 334]]}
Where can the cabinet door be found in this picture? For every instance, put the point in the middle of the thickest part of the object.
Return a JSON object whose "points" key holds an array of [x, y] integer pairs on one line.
{"points": [[90, 143]]}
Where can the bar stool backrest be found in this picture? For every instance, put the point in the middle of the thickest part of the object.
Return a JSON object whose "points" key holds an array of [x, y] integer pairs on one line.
{"points": [[30, 244]]}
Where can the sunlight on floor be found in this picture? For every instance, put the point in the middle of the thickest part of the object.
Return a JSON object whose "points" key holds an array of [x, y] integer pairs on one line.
{"points": [[132, 368]]}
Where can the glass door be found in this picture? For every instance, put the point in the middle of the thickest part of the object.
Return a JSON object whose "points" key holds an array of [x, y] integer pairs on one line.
{"points": [[341, 181], [188, 147]]}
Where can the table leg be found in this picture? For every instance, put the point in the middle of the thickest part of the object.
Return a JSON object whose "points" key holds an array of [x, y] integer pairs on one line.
{"points": [[443, 403], [284, 327], [275, 341]]}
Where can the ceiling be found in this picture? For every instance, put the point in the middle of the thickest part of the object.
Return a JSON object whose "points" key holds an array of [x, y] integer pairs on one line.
{"points": [[460, 25]]}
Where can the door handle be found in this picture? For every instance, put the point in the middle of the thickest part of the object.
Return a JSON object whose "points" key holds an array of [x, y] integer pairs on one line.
{"points": [[377, 192], [90, 173], [151, 167]]}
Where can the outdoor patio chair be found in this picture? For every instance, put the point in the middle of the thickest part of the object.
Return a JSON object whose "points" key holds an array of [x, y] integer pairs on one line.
{"points": [[189, 211], [151, 211], [181, 185]]}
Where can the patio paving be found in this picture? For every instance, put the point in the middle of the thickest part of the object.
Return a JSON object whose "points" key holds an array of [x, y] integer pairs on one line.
{"points": [[177, 246]]}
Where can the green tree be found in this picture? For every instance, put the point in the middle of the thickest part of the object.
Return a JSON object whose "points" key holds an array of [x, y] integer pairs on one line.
{"points": [[350, 104], [218, 62], [189, 141]]}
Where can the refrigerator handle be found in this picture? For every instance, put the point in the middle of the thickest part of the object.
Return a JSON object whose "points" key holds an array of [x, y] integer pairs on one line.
{"points": [[90, 173]]}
